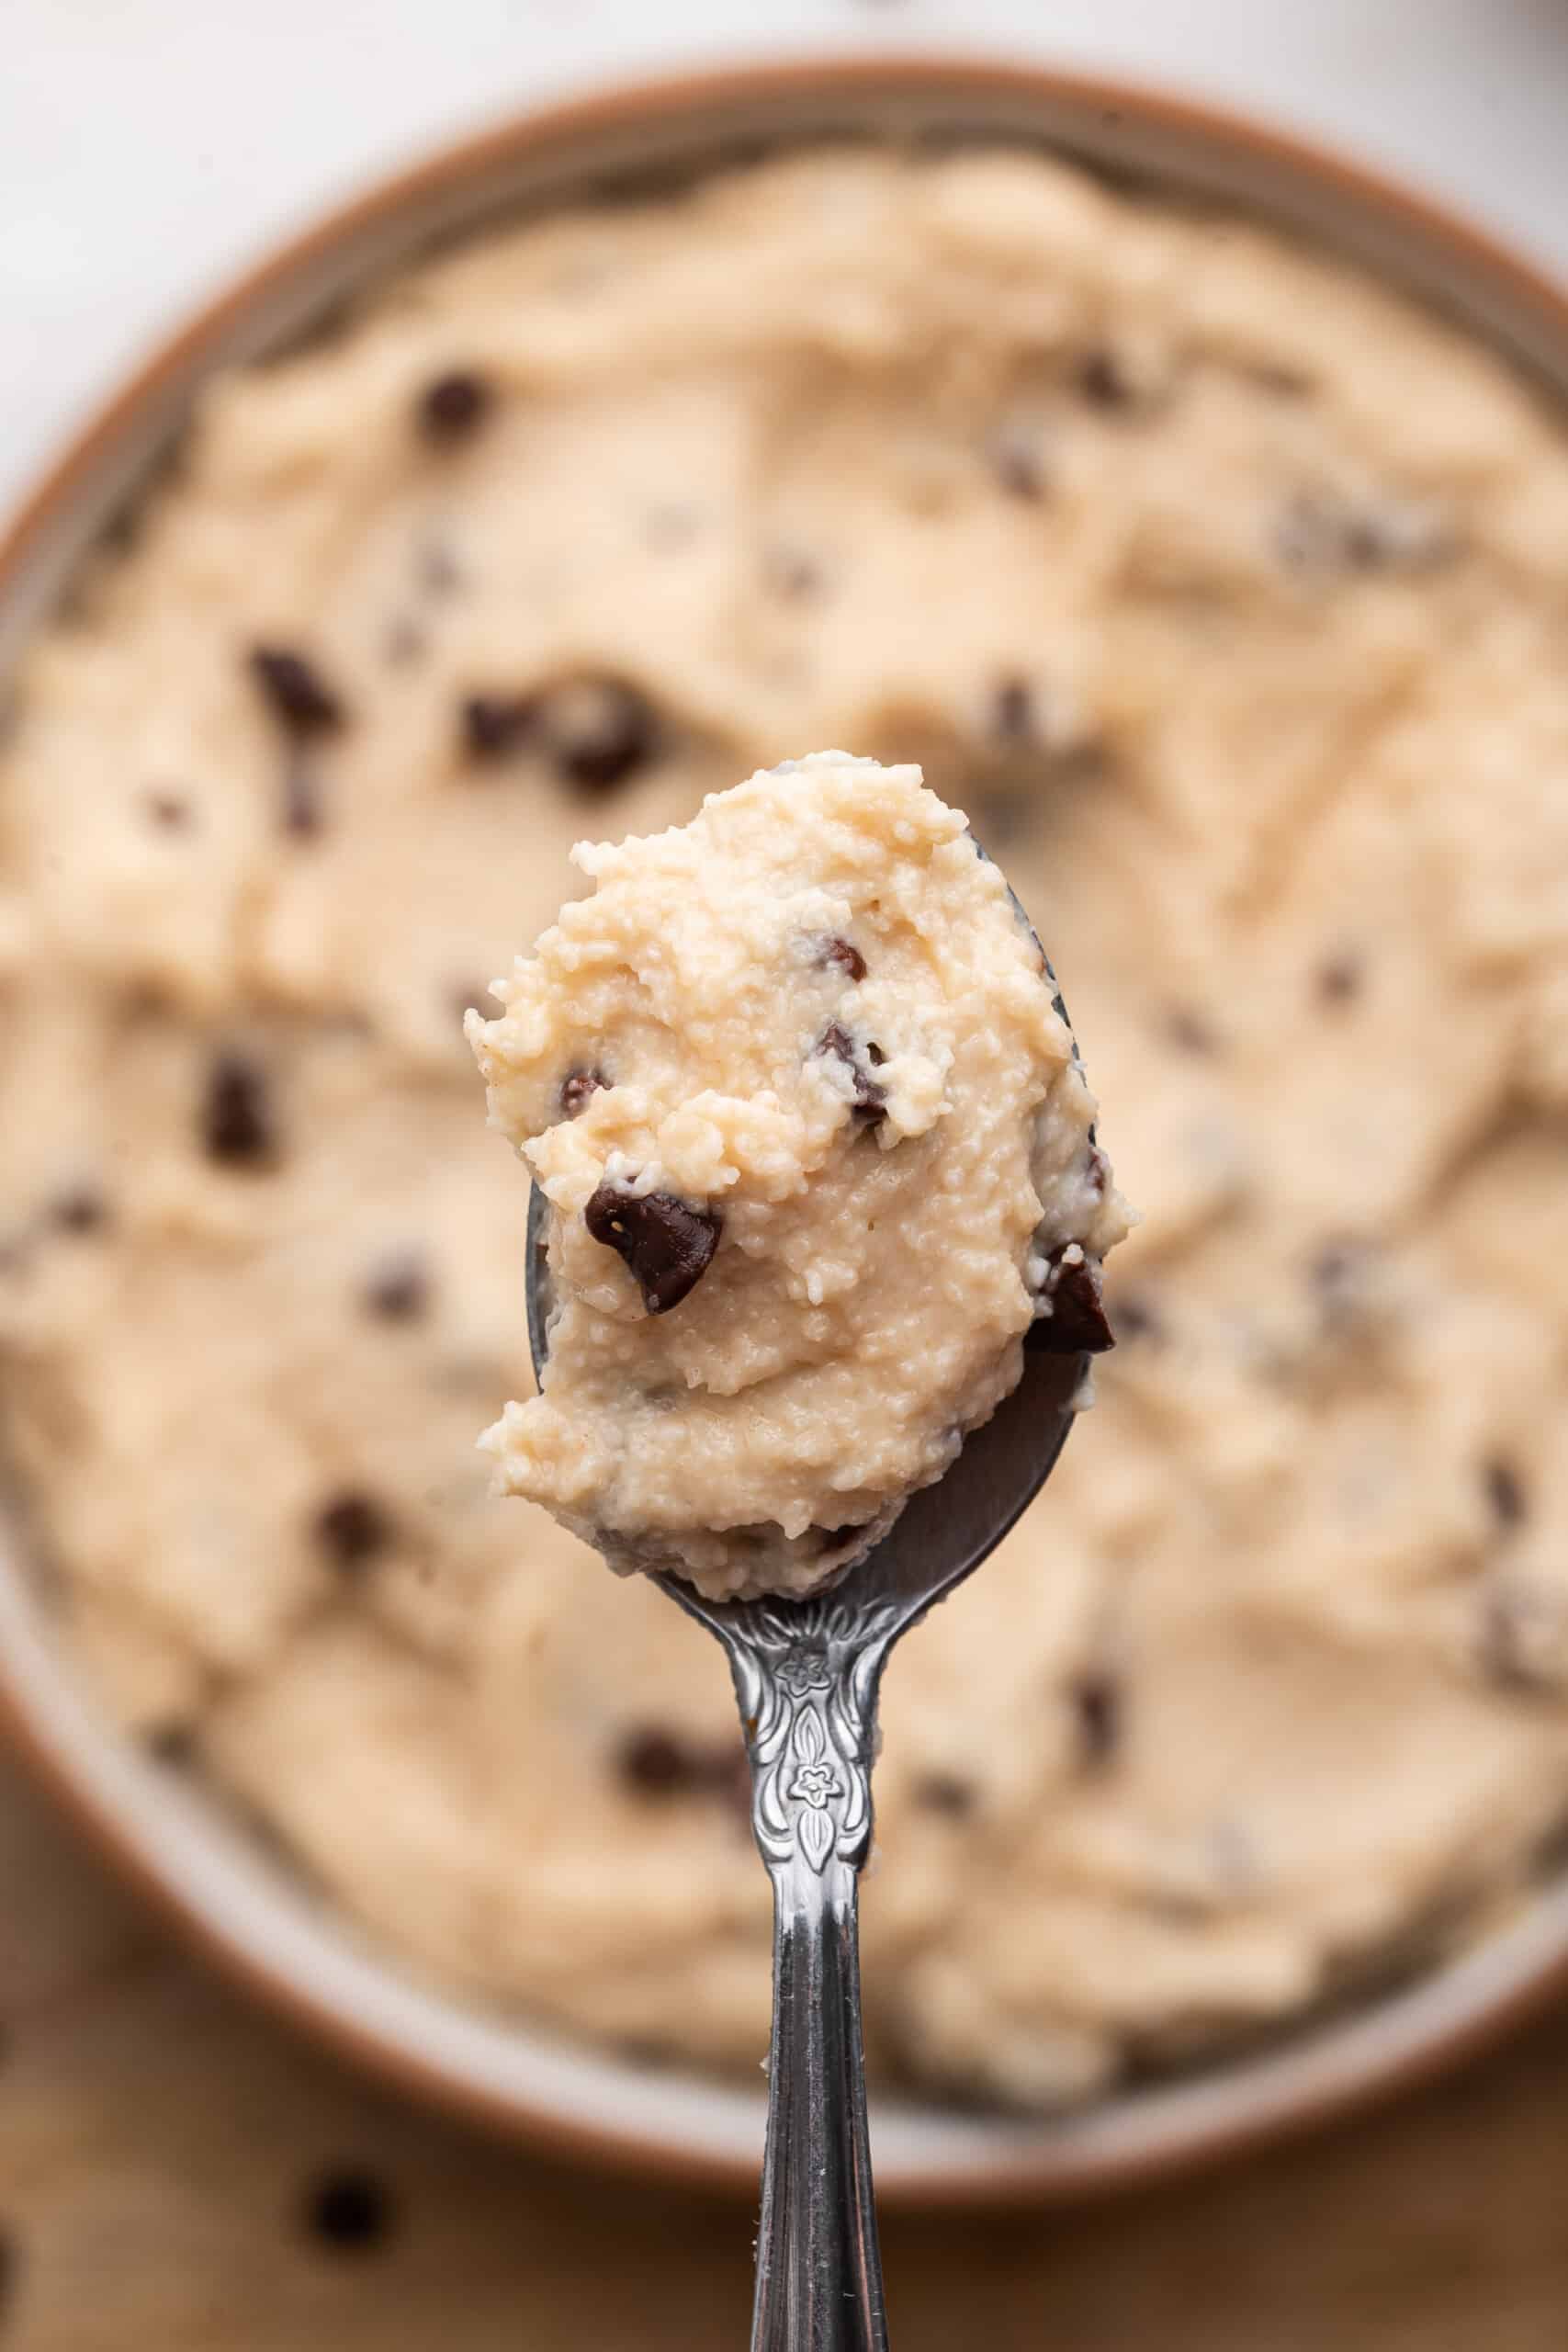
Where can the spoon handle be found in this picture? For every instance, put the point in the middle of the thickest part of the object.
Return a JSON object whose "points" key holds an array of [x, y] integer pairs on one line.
{"points": [[819, 2271], [807, 1677]]}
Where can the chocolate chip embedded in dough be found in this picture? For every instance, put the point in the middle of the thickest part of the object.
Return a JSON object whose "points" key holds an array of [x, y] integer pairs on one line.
{"points": [[294, 691], [493, 725], [659, 1763], [577, 1089], [350, 2212], [1076, 1322], [1096, 1697], [352, 1529], [1505, 1491], [398, 1289], [80, 1211], [946, 1794], [845, 956], [1338, 980], [667, 1244], [870, 1098], [1136, 1318], [601, 731], [1012, 712], [238, 1129], [453, 406], [1102, 379]]}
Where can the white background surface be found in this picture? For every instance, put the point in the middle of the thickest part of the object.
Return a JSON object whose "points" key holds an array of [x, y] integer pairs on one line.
{"points": [[147, 146]]}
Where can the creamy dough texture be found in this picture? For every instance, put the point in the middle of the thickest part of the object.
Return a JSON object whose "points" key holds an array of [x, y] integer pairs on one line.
{"points": [[795, 1086], [1228, 595]]}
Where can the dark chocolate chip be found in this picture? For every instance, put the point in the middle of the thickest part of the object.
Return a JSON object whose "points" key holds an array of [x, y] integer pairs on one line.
{"points": [[792, 576], [658, 1763], [1339, 979], [946, 1794], [349, 2211], [301, 796], [1096, 1697], [601, 732], [173, 1745], [1102, 379], [575, 1088], [436, 568], [1190, 1031], [870, 1102], [170, 811], [1076, 1322], [351, 1529], [1519, 1638], [1505, 1491], [294, 691], [1134, 1317], [493, 725], [82, 1210], [1012, 712], [453, 406], [667, 1244], [236, 1113], [1019, 468], [844, 955], [398, 1290]]}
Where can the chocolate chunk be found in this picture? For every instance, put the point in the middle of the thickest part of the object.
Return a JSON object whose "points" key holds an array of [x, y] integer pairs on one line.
{"points": [[1190, 1031], [844, 955], [658, 1763], [236, 1115], [1102, 379], [1077, 1321], [169, 810], [452, 407], [793, 577], [1096, 1700], [436, 568], [667, 1244], [870, 1098], [1519, 1640], [82, 1210], [298, 696], [301, 797], [1012, 712], [1337, 980], [1134, 1317], [1019, 467], [494, 725], [352, 1529], [173, 1744], [575, 1088], [944, 1793], [398, 1290], [1505, 1491], [601, 731], [350, 2212]]}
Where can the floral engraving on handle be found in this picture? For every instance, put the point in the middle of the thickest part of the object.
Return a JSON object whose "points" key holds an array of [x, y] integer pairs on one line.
{"points": [[807, 1677]]}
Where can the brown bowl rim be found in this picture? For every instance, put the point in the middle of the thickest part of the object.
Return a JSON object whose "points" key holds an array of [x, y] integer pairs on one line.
{"points": [[556, 125]]}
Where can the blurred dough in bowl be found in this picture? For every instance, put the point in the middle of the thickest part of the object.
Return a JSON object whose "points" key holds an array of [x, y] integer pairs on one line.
{"points": [[1227, 591]]}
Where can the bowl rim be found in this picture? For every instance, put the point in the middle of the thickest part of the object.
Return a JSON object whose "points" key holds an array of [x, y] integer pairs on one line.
{"points": [[1390, 2042]]}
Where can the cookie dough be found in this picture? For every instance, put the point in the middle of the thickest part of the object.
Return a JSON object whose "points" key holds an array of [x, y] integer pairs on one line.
{"points": [[795, 1085], [1225, 591]]}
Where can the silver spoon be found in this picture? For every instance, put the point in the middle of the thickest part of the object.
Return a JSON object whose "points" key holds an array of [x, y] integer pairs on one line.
{"points": [[807, 1674]]}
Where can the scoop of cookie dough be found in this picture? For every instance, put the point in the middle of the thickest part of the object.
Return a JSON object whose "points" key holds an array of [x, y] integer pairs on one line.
{"points": [[795, 1085]]}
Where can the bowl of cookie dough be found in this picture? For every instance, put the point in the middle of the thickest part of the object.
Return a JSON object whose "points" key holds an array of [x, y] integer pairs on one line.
{"points": [[1192, 506]]}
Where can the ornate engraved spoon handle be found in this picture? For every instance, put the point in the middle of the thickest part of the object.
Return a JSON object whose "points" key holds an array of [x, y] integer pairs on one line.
{"points": [[808, 1703]]}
